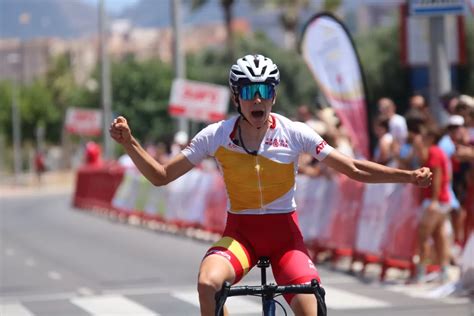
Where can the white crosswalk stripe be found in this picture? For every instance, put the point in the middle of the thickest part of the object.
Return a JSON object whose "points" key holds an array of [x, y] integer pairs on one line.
{"points": [[339, 300], [112, 305], [235, 305], [14, 310]]}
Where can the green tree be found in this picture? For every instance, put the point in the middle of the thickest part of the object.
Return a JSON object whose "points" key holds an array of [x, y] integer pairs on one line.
{"points": [[5, 109], [385, 75], [331, 5], [37, 109], [59, 80], [141, 92]]}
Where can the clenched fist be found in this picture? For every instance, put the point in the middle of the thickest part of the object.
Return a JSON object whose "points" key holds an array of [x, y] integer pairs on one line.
{"points": [[120, 131], [422, 177]]}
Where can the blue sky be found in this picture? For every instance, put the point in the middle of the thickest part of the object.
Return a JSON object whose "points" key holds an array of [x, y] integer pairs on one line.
{"points": [[113, 5]]}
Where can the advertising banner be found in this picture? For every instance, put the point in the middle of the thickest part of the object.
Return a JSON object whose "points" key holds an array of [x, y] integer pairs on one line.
{"points": [[329, 52], [198, 101], [83, 122]]}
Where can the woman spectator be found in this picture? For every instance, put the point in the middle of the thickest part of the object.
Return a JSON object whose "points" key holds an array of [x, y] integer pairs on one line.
{"points": [[435, 203]]}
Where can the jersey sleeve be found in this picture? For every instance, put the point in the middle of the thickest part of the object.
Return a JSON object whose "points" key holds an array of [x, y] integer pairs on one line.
{"points": [[311, 142], [202, 145]]}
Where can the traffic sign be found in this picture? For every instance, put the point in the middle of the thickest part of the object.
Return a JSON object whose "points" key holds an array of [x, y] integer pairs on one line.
{"points": [[436, 7]]}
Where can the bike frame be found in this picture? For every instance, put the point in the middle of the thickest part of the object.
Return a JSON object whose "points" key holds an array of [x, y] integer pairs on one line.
{"points": [[269, 291]]}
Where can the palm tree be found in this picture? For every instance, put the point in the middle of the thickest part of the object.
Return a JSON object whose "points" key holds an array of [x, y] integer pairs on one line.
{"points": [[228, 17], [289, 17]]}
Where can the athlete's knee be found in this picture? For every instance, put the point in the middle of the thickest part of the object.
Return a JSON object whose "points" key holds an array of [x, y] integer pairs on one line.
{"points": [[304, 305], [209, 282]]}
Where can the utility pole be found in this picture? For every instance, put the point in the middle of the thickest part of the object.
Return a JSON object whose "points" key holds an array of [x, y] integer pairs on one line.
{"points": [[179, 58], [106, 94], [439, 69]]}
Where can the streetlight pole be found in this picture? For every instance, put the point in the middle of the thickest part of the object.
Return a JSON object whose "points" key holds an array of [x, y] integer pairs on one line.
{"points": [[440, 73], [105, 81], [179, 60], [13, 59]]}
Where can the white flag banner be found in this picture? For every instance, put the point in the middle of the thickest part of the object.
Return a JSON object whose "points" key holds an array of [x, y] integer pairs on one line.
{"points": [[329, 53]]}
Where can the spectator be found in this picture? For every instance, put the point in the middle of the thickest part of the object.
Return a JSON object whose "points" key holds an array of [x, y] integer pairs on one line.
{"points": [[126, 162], [465, 108], [304, 113], [40, 165], [93, 154], [449, 101], [454, 135], [406, 155], [180, 142], [397, 123], [419, 109], [162, 154], [435, 204], [383, 149]]}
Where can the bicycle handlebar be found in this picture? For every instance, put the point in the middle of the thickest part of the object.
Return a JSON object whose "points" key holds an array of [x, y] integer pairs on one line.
{"points": [[271, 289]]}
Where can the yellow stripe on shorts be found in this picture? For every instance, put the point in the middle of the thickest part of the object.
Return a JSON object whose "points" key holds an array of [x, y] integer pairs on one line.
{"points": [[237, 249]]}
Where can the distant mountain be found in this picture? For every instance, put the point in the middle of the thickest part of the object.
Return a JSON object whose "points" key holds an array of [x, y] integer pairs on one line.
{"points": [[152, 13], [27, 19]]}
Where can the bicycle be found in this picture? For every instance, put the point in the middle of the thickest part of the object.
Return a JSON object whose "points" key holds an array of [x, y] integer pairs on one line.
{"points": [[268, 292]]}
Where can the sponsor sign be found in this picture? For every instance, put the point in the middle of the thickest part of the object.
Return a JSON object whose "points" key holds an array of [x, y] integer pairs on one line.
{"points": [[330, 55], [83, 122], [198, 101]]}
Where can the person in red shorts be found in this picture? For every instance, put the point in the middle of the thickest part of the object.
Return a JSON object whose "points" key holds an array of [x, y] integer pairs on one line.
{"points": [[435, 204], [257, 153]]}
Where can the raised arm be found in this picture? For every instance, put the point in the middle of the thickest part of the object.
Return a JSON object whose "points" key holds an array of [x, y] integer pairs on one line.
{"points": [[371, 172], [155, 172]]}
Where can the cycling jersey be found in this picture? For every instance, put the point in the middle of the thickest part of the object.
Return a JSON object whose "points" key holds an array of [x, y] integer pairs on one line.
{"points": [[263, 183]]}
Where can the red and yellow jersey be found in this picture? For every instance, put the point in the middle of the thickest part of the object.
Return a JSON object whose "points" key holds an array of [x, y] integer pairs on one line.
{"points": [[263, 183]]}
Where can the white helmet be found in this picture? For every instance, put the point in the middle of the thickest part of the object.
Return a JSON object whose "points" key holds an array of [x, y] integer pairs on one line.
{"points": [[253, 69]]}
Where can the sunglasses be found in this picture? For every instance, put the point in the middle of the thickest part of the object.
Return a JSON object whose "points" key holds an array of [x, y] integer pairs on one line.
{"points": [[266, 91]]}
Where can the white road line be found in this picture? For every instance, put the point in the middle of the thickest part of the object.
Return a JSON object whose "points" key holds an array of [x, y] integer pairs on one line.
{"points": [[235, 305], [112, 305], [85, 291], [14, 310], [339, 300], [9, 252], [53, 275], [30, 262], [38, 297], [426, 291]]}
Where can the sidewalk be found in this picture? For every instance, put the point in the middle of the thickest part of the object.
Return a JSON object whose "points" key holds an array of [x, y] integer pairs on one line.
{"points": [[27, 184]]}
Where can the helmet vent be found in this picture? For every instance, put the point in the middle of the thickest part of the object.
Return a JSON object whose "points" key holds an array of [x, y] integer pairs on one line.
{"points": [[251, 71], [257, 62]]}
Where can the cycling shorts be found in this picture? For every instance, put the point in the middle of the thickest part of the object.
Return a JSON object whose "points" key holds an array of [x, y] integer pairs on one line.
{"points": [[248, 237]]}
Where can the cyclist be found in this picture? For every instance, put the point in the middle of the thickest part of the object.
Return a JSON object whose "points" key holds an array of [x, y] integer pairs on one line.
{"points": [[257, 153]]}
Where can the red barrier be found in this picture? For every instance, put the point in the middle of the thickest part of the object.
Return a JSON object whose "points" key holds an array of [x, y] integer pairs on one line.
{"points": [[400, 239], [216, 205], [96, 186], [341, 231]]}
